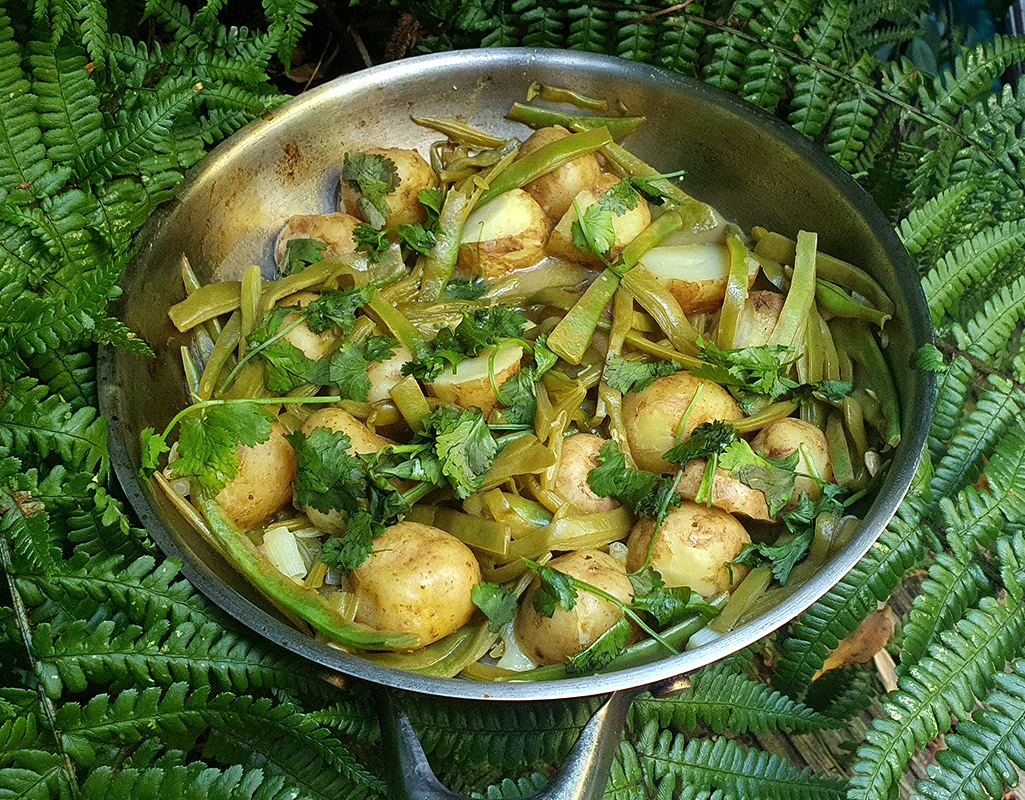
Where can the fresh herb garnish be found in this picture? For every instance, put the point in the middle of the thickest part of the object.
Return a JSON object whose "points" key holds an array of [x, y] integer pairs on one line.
{"points": [[780, 557], [750, 373], [299, 254], [475, 332], [368, 237], [708, 440], [775, 478], [644, 493], [625, 376], [602, 650], [497, 602], [667, 605], [518, 392], [417, 238], [374, 176], [466, 289]]}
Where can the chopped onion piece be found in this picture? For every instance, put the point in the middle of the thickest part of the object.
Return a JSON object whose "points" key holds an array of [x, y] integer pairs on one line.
{"points": [[513, 658], [618, 551], [701, 638], [282, 550]]}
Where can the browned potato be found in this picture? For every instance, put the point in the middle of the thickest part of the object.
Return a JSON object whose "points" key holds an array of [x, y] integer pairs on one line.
{"points": [[758, 319], [385, 374], [696, 274], [417, 580], [555, 191], [362, 440], [579, 457], [729, 494], [653, 415], [313, 345], [415, 174], [782, 438], [470, 385], [263, 485], [334, 230], [693, 547], [507, 234], [551, 640], [626, 225]]}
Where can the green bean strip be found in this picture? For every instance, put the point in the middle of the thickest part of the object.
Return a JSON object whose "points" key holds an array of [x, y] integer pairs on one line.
{"points": [[773, 271], [526, 456], [837, 303], [736, 292], [780, 248], [191, 373], [410, 400], [793, 319], [830, 361], [618, 127], [439, 265], [854, 337], [242, 554], [839, 454], [205, 303], [745, 594], [771, 413], [425, 657], [653, 296], [401, 328], [544, 160], [224, 347], [249, 304], [459, 132], [645, 345], [192, 284], [486, 535], [552, 94]]}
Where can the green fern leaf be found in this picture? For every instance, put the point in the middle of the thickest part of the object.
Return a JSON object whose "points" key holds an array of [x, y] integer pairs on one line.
{"points": [[68, 105], [972, 76], [763, 81], [981, 758], [844, 692], [27, 768], [952, 393], [508, 788], [192, 782], [924, 223], [815, 88], [288, 19], [723, 764], [989, 331], [680, 41], [730, 54], [70, 375], [969, 263], [821, 627], [544, 23], [635, 38], [23, 516], [725, 701], [853, 118]]}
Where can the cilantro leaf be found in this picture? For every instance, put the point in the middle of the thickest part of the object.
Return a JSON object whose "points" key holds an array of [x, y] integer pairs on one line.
{"points": [[379, 348], [707, 440], [619, 198], [497, 602], [432, 200], [544, 357], [476, 331], [780, 557], [372, 175], [466, 290], [299, 254], [327, 475], [805, 510], [748, 370], [152, 446], [367, 236], [593, 231], [346, 368], [355, 545], [464, 446], [648, 185], [207, 442], [286, 367], [517, 392], [774, 478], [833, 391], [417, 237], [602, 651], [612, 478], [337, 307], [625, 376], [667, 605], [555, 589]]}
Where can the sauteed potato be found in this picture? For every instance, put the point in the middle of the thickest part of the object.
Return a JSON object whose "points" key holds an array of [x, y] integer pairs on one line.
{"points": [[523, 408]]}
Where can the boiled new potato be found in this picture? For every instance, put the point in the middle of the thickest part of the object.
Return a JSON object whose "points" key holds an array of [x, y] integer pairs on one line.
{"points": [[653, 415], [470, 385], [555, 191], [263, 484], [695, 274], [417, 580], [785, 436], [314, 345], [362, 440], [728, 493], [579, 457], [758, 319], [415, 175], [385, 374], [334, 230], [692, 549], [626, 225], [507, 234], [551, 640]]}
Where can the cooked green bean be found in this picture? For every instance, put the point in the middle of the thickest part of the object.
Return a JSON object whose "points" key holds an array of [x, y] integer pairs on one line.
{"points": [[618, 127], [552, 94], [459, 132], [793, 319], [736, 291], [837, 303], [839, 454], [410, 400], [746, 593], [858, 342], [224, 349]]}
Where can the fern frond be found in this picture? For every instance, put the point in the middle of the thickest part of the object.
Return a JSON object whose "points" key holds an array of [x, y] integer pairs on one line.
{"points": [[982, 757], [972, 76], [71, 375], [68, 106], [838, 613], [729, 56], [952, 391], [763, 79], [853, 118], [544, 23], [509, 789], [23, 517], [680, 42], [925, 222], [723, 764], [733, 702], [969, 263], [195, 781], [844, 692], [815, 88], [990, 330], [635, 38], [943, 686], [288, 19]]}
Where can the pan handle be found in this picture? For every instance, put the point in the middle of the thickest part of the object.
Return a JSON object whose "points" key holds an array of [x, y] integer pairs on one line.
{"points": [[583, 775]]}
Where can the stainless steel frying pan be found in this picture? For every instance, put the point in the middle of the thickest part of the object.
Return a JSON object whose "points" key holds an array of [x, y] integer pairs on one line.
{"points": [[752, 167]]}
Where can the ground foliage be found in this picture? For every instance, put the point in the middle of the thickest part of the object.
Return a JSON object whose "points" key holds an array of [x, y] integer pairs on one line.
{"points": [[118, 679]]}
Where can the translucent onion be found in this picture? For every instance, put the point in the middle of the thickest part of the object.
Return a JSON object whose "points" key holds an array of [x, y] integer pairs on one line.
{"points": [[282, 550]]}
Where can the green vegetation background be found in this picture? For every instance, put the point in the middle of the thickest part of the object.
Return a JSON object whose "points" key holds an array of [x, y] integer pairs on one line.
{"points": [[118, 680]]}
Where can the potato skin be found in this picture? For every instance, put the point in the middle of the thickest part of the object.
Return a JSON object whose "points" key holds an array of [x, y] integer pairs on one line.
{"points": [[417, 580], [627, 225], [551, 640], [782, 438], [696, 275], [385, 374], [507, 234], [334, 230], [313, 345], [470, 386], [729, 494], [758, 319], [579, 457], [692, 548], [652, 415], [555, 191], [414, 173], [362, 440], [263, 485]]}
